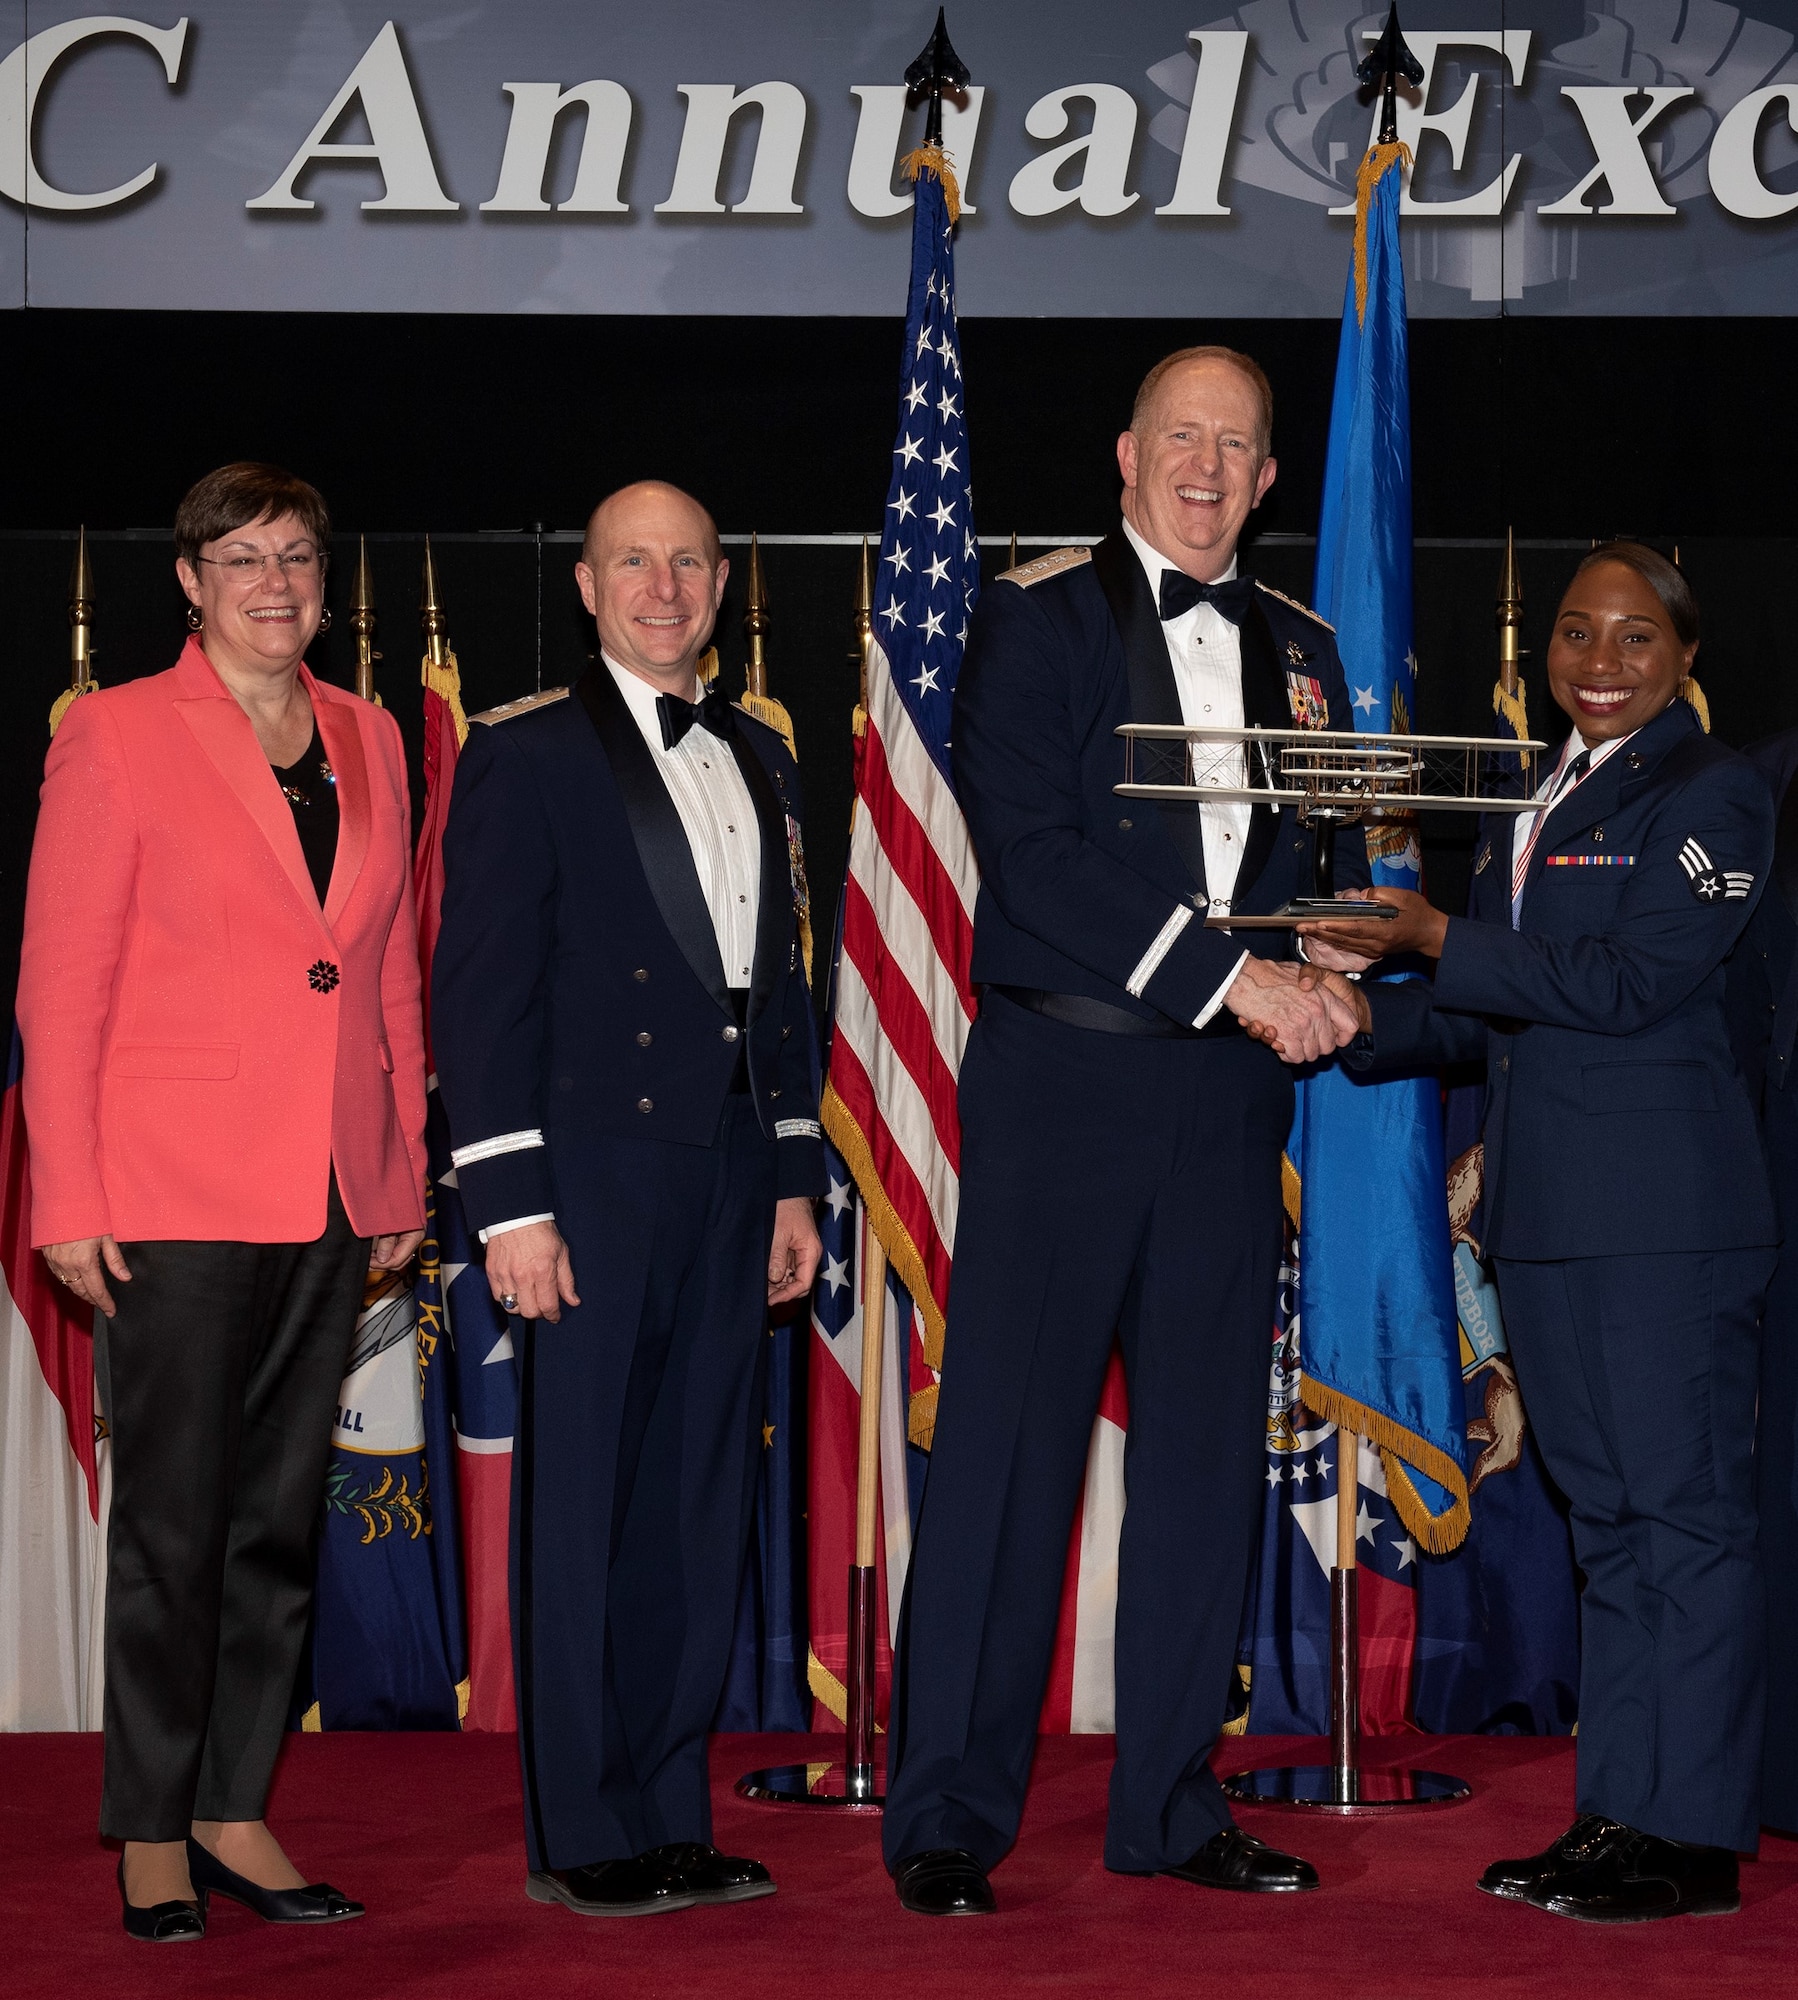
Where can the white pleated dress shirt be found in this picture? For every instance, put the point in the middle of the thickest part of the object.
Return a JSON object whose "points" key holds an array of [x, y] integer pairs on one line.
{"points": [[1206, 650]]}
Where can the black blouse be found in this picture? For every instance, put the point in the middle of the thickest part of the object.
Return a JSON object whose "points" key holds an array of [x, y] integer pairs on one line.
{"points": [[310, 788]]}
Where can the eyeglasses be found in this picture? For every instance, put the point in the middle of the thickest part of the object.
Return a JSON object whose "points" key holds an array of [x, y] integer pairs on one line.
{"points": [[240, 569]]}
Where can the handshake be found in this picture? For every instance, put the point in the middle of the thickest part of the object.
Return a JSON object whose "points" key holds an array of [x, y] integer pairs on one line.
{"points": [[1302, 1012]]}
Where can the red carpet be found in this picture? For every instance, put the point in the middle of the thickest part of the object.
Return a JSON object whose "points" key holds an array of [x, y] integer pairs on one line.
{"points": [[425, 1830]]}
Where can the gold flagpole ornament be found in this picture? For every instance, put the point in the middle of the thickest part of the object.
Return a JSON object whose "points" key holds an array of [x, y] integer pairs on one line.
{"points": [[862, 623], [362, 623], [440, 674], [1509, 703], [81, 635], [757, 701]]}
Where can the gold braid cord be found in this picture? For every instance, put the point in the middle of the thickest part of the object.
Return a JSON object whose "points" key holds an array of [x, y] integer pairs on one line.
{"points": [[446, 683], [932, 159], [1367, 178], [1689, 691], [71, 695]]}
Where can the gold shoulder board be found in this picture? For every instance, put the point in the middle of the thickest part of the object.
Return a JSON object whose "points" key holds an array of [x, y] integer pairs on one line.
{"points": [[507, 710], [1293, 601], [1045, 566]]}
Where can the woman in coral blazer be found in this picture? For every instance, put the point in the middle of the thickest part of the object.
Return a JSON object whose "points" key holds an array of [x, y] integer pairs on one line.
{"points": [[225, 1097]]}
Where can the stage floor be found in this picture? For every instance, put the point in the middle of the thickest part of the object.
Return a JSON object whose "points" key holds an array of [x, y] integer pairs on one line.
{"points": [[425, 1830]]}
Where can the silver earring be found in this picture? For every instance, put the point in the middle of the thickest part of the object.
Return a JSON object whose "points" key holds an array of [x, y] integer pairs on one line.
{"points": [[195, 618], [324, 619]]}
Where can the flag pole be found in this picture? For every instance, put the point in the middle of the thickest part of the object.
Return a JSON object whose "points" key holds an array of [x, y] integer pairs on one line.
{"points": [[864, 1578], [1342, 1786], [1345, 1651], [854, 1784], [362, 622], [81, 635]]}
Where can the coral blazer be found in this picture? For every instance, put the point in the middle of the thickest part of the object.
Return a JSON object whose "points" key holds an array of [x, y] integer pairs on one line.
{"points": [[203, 1043]]}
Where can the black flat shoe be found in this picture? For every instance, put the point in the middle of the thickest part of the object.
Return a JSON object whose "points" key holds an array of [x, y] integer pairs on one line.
{"points": [[713, 1877], [317, 1903], [1237, 1860], [1581, 1843], [943, 1882], [163, 1923], [1637, 1877], [638, 1887]]}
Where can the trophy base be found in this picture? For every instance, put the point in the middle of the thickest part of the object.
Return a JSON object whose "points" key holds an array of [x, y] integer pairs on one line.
{"points": [[832, 1785], [1324, 1788], [1307, 910]]}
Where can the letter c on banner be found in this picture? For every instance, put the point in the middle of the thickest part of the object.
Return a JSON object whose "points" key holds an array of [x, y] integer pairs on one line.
{"points": [[1735, 176], [23, 75]]}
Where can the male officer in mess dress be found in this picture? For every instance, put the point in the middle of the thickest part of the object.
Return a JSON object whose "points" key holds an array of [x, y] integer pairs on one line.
{"points": [[624, 1043], [1120, 1167]]}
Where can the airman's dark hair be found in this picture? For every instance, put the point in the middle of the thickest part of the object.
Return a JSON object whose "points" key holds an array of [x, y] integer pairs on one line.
{"points": [[1661, 576]]}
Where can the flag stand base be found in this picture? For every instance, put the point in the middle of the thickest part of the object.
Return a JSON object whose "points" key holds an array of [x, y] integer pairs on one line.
{"points": [[1342, 1786], [852, 1785]]}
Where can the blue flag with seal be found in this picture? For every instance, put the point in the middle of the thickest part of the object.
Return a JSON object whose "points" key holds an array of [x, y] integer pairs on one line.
{"points": [[1381, 1336]]}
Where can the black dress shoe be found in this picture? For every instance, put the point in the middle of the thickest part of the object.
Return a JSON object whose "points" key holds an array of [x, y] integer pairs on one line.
{"points": [[1579, 1844], [639, 1887], [163, 1923], [713, 1877], [317, 1903], [1237, 1860], [1638, 1877], [944, 1882]]}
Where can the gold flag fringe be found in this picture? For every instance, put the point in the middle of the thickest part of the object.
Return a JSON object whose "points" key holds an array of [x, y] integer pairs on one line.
{"points": [[446, 683], [1367, 178], [1689, 691], [932, 159], [1440, 1534], [902, 1253], [71, 695]]}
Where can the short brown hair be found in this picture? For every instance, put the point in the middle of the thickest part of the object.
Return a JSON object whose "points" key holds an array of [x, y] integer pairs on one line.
{"points": [[240, 495], [1244, 364], [1662, 577]]}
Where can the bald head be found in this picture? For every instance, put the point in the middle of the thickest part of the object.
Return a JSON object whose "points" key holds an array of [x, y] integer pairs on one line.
{"points": [[651, 503], [652, 573]]}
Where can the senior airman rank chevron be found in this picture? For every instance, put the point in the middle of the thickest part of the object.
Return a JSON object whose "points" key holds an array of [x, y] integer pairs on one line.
{"points": [[1711, 884]]}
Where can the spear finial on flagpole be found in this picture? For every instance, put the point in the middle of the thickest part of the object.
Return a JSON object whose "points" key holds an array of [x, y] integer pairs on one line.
{"points": [[362, 621], [81, 635], [1510, 617], [430, 615], [755, 622], [1385, 63], [937, 69]]}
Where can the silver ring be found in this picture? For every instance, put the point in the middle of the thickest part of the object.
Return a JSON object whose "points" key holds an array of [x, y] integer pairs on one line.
{"points": [[509, 1300]]}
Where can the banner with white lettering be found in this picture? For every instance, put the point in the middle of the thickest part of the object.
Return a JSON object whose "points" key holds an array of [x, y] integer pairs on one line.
{"points": [[601, 156]]}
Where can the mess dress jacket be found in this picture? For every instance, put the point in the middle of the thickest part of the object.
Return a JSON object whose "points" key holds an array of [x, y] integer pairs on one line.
{"points": [[1617, 1120]]}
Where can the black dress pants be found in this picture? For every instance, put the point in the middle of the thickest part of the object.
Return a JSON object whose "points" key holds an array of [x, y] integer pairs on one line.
{"points": [[1640, 1373], [1111, 1187], [219, 1379], [633, 1484]]}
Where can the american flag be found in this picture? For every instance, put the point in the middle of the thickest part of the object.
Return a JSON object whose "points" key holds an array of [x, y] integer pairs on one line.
{"points": [[903, 1002]]}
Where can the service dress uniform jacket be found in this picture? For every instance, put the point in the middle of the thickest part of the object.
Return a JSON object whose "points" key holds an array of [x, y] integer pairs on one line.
{"points": [[1763, 991], [1120, 1180], [597, 1069], [1629, 1215]]}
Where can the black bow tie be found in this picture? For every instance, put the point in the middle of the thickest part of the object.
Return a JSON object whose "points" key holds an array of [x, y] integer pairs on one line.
{"points": [[1180, 592], [711, 711]]}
